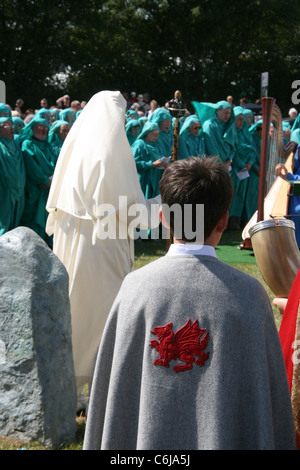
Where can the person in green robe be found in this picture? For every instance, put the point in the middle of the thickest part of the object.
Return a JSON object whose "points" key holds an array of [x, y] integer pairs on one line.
{"points": [[131, 114], [39, 158], [133, 128], [18, 124], [147, 159], [5, 111], [296, 124], [253, 183], [191, 141], [256, 132], [249, 117], [54, 115], [164, 142], [12, 178], [295, 137], [215, 119], [142, 120], [68, 115], [57, 134], [244, 155], [45, 114], [286, 131]]}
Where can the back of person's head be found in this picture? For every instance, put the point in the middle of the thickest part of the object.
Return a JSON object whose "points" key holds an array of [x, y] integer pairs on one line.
{"points": [[195, 181], [75, 104]]}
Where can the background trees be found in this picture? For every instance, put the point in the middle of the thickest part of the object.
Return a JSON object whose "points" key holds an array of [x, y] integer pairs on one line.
{"points": [[206, 48]]}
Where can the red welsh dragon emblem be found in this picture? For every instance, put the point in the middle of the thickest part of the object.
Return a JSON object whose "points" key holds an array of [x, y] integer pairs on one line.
{"points": [[183, 345]]}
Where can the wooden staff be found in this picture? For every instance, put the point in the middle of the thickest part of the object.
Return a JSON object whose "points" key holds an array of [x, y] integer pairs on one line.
{"points": [[177, 110]]}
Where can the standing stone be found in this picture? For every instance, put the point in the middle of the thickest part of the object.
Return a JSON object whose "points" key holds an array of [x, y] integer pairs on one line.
{"points": [[37, 379]]}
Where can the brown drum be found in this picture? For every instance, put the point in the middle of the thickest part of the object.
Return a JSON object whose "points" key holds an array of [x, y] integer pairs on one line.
{"points": [[277, 253]]}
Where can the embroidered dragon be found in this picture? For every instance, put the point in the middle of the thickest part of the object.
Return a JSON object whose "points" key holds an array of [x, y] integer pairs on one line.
{"points": [[183, 345]]}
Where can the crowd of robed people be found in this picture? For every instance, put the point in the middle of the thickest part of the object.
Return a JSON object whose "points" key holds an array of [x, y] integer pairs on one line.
{"points": [[233, 133], [222, 119], [30, 143]]}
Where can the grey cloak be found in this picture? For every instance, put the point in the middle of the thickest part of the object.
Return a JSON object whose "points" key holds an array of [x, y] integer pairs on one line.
{"points": [[237, 398]]}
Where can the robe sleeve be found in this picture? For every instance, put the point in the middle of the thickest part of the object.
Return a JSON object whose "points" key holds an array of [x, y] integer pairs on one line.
{"points": [[140, 156]]}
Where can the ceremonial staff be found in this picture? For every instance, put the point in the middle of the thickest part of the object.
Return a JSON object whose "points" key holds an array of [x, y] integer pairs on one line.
{"points": [[177, 110]]}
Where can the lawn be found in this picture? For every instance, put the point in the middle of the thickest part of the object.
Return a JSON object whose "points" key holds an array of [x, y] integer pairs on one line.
{"points": [[145, 252]]}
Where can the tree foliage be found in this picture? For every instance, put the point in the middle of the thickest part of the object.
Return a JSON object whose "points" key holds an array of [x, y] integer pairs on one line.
{"points": [[206, 48]]}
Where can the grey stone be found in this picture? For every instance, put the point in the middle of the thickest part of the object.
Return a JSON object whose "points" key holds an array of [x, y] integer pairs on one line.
{"points": [[37, 379]]}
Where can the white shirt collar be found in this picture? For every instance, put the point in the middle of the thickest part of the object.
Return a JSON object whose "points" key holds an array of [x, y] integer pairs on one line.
{"points": [[191, 249]]}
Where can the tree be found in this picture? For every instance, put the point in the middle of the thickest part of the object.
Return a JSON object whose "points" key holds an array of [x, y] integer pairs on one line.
{"points": [[206, 48], [33, 37]]}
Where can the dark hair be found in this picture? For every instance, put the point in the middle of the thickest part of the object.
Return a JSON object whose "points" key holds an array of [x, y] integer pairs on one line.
{"points": [[195, 181]]}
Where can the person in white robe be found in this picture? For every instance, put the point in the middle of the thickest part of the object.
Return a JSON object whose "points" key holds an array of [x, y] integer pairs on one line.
{"points": [[92, 216]]}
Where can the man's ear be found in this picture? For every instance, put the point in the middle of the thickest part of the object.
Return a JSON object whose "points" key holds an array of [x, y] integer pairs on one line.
{"points": [[222, 224], [162, 218]]}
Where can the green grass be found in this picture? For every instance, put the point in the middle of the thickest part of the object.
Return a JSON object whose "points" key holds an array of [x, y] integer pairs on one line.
{"points": [[146, 252], [8, 443]]}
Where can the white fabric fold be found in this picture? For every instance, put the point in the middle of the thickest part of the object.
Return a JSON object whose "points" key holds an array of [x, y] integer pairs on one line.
{"points": [[95, 189]]}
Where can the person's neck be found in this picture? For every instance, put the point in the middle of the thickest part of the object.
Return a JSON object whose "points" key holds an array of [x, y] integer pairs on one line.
{"points": [[215, 235], [183, 242], [212, 240]]}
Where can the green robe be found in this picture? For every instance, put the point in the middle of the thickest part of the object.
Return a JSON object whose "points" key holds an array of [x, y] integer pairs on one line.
{"points": [[12, 185], [39, 159], [132, 123], [164, 143], [296, 124], [243, 151], [295, 136], [5, 111], [18, 124], [213, 132], [55, 141], [253, 184], [190, 145], [145, 154], [67, 115], [214, 129]]}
